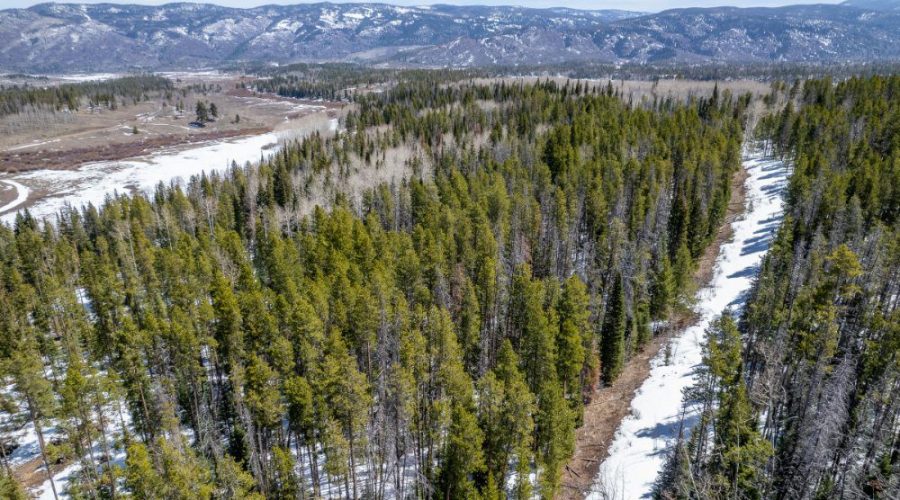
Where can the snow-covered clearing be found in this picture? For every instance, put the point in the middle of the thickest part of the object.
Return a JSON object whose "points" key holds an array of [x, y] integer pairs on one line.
{"points": [[93, 182], [259, 102], [640, 444], [88, 77]]}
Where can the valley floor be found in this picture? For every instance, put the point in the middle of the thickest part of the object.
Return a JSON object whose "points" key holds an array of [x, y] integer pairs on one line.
{"points": [[64, 139], [45, 191]]}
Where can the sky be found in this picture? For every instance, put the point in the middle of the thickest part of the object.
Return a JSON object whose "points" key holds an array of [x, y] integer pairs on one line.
{"points": [[638, 5]]}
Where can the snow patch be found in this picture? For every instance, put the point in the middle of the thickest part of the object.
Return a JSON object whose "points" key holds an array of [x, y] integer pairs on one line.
{"points": [[93, 182]]}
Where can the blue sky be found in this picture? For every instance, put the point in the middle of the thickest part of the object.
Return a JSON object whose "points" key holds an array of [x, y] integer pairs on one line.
{"points": [[641, 5]]}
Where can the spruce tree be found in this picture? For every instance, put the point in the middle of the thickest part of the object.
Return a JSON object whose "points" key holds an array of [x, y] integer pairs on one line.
{"points": [[202, 112], [662, 290], [461, 458], [575, 340], [10, 489], [612, 337], [141, 478]]}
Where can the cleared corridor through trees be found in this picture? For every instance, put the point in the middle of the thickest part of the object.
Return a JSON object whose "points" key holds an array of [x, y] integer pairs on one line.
{"points": [[638, 451]]}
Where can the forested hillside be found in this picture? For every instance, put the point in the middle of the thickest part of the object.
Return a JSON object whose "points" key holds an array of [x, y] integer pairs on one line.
{"points": [[60, 37], [71, 96], [340, 81], [799, 395], [434, 337]]}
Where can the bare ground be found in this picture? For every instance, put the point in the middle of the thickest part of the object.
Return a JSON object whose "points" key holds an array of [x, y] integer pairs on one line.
{"points": [[7, 194], [609, 405], [67, 140], [20, 161], [32, 473]]}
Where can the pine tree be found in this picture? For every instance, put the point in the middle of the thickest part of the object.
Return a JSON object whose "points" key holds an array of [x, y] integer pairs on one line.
{"points": [[10, 489], [347, 394], [337, 454], [505, 411], [141, 477], [538, 342], [287, 484], [184, 475], [233, 482], [555, 437], [202, 112], [662, 290], [461, 458], [683, 270], [642, 324], [675, 481], [612, 342], [575, 340], [740, 451], [31, 382]]}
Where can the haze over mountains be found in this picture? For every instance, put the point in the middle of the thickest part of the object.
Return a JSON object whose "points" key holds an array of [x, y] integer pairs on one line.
{"points": [[73, 37]]}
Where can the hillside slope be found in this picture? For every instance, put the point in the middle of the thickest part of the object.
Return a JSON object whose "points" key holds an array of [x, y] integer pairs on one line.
{"points": [[71, 37]]}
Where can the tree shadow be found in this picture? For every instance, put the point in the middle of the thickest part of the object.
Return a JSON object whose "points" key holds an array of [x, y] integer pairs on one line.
{"points": [[667, 430], [757, 244], [740, 300], [746, 272]]}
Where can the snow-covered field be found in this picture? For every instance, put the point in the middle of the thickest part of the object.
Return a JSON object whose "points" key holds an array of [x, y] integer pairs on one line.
{"points": [[93, 182], [88, 77], [640, 444]]}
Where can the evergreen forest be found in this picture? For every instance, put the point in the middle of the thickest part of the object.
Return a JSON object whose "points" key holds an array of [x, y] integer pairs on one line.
{"points": [[268, 333], [798, 396], [430, 338]]}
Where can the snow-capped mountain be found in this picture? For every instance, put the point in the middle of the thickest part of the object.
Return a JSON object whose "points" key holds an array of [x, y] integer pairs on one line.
{"points": [[73, 37], [885, 5]]}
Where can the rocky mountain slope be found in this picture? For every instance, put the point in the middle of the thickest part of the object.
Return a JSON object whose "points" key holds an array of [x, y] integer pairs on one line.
{"points": [[71, 37]]}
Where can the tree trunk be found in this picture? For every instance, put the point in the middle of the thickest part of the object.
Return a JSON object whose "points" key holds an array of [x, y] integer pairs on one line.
{"points": [[40, 435]]}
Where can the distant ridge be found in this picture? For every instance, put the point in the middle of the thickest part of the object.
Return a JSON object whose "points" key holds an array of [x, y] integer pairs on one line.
{"points": [[95, 37]]}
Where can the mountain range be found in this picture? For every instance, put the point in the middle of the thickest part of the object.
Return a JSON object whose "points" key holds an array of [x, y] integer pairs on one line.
{"points": [[107, 37]]}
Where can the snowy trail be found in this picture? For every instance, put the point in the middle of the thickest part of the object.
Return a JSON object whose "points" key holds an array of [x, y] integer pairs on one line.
{"points": [[22, 193], [640, 444]]}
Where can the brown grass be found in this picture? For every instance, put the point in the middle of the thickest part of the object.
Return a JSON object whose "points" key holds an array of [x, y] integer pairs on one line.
{"points": [[61, 140], [21, 161], [609, 405]]}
